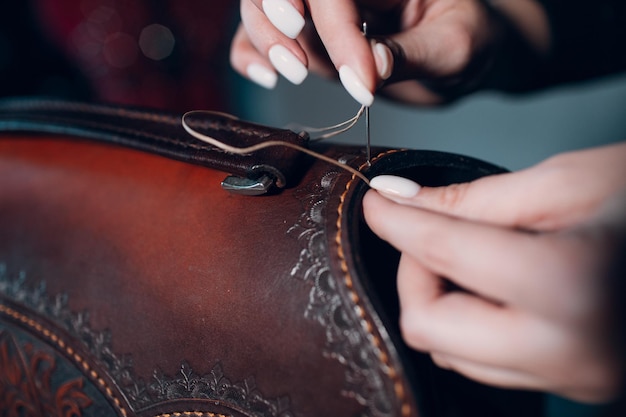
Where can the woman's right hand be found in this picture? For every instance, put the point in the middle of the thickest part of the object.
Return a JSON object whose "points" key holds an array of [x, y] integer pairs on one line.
{"points": [[425, 52]]}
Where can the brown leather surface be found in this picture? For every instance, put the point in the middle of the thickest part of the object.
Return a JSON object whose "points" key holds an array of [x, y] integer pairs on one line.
{"points": [[175, 269], [166, 296], [162, 133]]}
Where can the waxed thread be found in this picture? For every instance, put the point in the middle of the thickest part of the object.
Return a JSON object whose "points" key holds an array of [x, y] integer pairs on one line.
{"points": [[330, 132]]}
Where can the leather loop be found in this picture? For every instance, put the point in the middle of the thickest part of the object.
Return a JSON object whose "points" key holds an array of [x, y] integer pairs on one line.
{"points": [[131, 285], [162, 133]]}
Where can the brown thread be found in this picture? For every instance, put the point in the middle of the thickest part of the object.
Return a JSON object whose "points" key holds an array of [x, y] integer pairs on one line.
{"points": [[68, 350], [365, 320], [172, 120], [269, 143]]}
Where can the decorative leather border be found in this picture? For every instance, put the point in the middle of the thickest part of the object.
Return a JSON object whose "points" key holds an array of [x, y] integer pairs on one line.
{"points": [[59, 343], [351, 338], [359, 308], [243, 395]]}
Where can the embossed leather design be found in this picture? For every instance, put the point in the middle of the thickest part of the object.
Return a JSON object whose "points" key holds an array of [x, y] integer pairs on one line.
{"points": [[149, 291]]}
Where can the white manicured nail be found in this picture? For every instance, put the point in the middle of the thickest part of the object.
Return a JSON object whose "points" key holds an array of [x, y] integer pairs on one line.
{"points": [[287, 64], [395, 186], [384, 59], [284, 17], [353, 84], [262, 75]]}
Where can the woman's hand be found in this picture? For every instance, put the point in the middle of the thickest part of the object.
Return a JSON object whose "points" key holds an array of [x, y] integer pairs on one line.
{"points": [[532, 252], [427, 51]]}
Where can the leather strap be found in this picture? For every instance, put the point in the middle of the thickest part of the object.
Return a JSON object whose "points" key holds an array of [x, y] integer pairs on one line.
{"points": [[162, 133]]}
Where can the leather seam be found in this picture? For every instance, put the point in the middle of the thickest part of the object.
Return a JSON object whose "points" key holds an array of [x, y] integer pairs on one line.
{"points": [[102, 110], [366, 322], [68, 350], [111, 128], [143, 134]]}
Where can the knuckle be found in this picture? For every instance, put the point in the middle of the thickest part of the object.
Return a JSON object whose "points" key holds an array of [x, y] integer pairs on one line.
{"points": [[451, 198], [414, 332]]}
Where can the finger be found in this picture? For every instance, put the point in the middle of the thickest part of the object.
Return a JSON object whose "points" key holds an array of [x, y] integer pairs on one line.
{"points": [[464, 325], [491, 375], [286, 15], [471, 328], [560, 192], [400, 80], [505, 346], [246, 60], [285, 54], [432, 320], [568, 381], [435, 40], [339, 26], [417, 286], [525, 199], [442, 52], [491, 261]]}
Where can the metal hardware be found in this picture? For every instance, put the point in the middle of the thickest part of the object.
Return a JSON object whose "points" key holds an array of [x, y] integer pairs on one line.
{"points": [[368, 147], [248, 186]]}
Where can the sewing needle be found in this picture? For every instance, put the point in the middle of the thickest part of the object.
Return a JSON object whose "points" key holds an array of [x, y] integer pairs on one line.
{"points": [[367, 135], [367, 119]]}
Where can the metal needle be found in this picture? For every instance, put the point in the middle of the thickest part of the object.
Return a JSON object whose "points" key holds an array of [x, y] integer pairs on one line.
{"points": [[367, 119], [367, 134]]}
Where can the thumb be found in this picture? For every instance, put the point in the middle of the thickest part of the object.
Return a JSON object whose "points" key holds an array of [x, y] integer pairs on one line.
{"points": [[518, 199]]}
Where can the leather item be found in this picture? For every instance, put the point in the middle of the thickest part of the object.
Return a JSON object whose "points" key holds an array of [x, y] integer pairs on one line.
{"points": [[161, 133], [133, 285]]}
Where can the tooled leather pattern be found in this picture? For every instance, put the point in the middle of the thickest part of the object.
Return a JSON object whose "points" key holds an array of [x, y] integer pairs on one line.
{"points": [[139, 395], [348, 341], [26, 382], [160, 133]]}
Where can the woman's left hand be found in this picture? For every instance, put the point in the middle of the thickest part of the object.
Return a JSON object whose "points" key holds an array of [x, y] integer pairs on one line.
{"points": [[536, 306]]}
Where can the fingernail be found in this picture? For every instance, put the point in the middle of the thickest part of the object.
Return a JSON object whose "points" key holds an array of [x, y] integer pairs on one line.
{"points": [[384, 59], [353, 84], [287, 64], [284, 17], [395, 186], [262, 75]]}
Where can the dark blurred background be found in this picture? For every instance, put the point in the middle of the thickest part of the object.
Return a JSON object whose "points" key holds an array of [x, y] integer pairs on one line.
{"points": [[169, 54]]}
